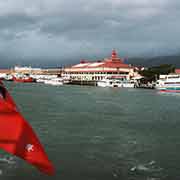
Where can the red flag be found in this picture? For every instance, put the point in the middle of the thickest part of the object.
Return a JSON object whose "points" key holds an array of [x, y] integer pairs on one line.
{"points": [[18, 138]]}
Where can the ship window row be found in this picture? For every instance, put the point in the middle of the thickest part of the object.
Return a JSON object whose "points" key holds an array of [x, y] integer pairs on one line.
{"points": [[92, 78]]}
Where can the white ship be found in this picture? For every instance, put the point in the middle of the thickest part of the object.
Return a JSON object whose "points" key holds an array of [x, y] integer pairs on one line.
{"points": [[55, 81], [116, 82], [168, 83]]}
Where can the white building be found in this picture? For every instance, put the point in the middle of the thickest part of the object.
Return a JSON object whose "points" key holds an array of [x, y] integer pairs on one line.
{"points": [[94, 71]]}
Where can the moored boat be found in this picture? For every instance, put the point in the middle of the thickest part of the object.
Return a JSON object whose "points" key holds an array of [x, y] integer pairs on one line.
{"points": [[55, 81], [23, 79], [116, 82]]}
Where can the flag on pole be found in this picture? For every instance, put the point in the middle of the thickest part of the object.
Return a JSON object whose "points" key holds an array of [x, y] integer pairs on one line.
{"points": [[18, 138]]}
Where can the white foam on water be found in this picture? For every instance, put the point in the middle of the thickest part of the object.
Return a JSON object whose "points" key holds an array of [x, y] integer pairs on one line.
{"points": [[97, 139], [7, 163], [147, 167], [152, 178], [133, 168], [134, 142], [152, 162], [115, 175], [8, 160], [140, 167]]}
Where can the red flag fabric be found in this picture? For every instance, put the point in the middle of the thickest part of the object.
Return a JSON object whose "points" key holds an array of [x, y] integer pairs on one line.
{"points": [[18, 138]]}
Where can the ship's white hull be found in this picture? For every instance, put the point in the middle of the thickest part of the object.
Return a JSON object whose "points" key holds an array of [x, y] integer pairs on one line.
{"points": [[170, 83], [109, 83], [54, 82]]}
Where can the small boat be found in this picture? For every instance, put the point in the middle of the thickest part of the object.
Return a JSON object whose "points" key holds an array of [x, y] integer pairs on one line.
{"points": [[116, 82], [23, 79], [8, 77], [55, 81], [42, 78], [168, 83]]}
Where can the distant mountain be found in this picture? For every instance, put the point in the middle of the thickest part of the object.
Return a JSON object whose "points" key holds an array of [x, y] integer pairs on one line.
{"points": [[35, 63], [154, 61], [6, 62]]}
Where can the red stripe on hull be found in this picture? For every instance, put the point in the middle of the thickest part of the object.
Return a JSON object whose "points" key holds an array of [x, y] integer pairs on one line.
{"points": [[172, 91], [28, 80]]}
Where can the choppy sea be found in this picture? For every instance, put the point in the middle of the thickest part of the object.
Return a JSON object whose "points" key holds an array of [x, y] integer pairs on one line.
{"points": [[93, 133]]}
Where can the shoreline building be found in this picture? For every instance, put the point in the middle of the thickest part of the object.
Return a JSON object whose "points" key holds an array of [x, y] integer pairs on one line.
{"points": [[36, 71], [93, 71]]}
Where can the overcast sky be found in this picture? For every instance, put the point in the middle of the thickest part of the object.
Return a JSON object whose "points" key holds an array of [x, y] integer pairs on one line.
{"points": [[64, 29]]}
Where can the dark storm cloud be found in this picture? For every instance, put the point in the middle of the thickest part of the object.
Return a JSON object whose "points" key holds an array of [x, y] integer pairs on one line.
{"points": [[59, 29], [12, 25]]}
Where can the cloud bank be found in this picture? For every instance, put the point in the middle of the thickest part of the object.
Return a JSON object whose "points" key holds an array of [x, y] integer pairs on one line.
{"points": [[53, 29]]}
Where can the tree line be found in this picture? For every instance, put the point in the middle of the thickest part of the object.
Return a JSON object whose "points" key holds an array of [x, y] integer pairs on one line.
{"points": [[152, 73]]}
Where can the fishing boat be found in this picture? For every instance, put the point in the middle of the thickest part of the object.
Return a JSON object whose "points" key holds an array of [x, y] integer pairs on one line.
{"points": [[23, 79], [116, 82], [168, 83]]}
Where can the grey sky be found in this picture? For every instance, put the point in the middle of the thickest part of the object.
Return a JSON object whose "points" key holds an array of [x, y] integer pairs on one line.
{"points": [[62, 29]]}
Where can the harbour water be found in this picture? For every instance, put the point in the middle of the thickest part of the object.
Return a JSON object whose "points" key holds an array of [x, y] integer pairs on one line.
{"points": [[93, 133]]}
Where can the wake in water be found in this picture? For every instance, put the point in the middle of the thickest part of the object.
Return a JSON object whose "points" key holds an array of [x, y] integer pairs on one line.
{"points": [[149, 170], [8, 160], [5, 162], [133, 169], [149, 167]]}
